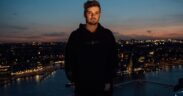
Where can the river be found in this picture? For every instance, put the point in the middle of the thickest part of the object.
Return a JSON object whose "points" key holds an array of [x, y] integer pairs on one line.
{"points": [[54, 84]]}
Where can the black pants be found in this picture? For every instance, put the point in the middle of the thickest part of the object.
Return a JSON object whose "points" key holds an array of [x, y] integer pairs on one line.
{"points": [[92, 91]]}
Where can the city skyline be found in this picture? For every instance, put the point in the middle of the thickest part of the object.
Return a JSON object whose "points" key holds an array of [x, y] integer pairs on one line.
{"points": [[38, 20]]}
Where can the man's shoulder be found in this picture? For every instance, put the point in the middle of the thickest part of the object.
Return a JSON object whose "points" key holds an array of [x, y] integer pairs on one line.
{"points": [[108, 32], [104, 29], [75, 33]]}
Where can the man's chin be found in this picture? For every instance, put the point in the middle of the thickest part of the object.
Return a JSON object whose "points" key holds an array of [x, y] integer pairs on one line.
{"points": [[93, 23]]}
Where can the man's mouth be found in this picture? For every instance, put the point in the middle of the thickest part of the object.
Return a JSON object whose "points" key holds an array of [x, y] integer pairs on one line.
{"points": [[93, 18]]}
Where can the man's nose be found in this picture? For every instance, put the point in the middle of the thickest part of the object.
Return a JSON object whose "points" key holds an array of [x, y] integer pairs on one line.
{"points": [[92, 14]]}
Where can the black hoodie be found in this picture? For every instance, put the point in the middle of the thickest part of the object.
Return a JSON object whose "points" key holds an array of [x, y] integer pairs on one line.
{"points": [[91, 58]]}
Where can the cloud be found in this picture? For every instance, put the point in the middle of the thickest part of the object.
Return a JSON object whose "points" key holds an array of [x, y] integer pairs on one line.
{"points": [[155, 35], [46, 37], [142, 37], [168, 20], [55, 34], [175, 35], [133, 36], [177, 17], [149, 31], [15, 27], [117, 36]]}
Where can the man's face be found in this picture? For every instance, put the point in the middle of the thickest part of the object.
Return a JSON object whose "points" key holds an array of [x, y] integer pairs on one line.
{"points": [[92, 15]]}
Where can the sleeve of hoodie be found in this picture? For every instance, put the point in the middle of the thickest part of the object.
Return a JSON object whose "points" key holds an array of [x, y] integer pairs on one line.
{"points": [[69, 57], [113, 58]]}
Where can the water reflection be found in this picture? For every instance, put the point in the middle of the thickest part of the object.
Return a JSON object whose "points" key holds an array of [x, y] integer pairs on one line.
{"points": [[173, 67], [53, 84], [37, 78], [26, 80], [18, 80], [180, 67]]}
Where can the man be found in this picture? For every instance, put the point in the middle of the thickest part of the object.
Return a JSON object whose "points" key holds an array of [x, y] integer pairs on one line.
{"points": [[91, 55]]}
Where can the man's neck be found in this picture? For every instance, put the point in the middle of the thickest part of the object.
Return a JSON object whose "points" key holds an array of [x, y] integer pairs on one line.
{"points": [[91, 28]]}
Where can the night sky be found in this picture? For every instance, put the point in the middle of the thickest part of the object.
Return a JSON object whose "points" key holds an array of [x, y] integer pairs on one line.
{"points": [[54, 20]]}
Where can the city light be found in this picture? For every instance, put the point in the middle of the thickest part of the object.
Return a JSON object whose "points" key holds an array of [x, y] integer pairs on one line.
{"points": [[27, 71], [39, 61]]}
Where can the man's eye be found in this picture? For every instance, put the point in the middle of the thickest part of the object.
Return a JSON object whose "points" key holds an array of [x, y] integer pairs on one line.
{"points": [[89, 12]]}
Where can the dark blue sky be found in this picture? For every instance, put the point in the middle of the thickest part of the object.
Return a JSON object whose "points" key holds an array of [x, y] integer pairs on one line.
{"points": [[54, 20]]}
